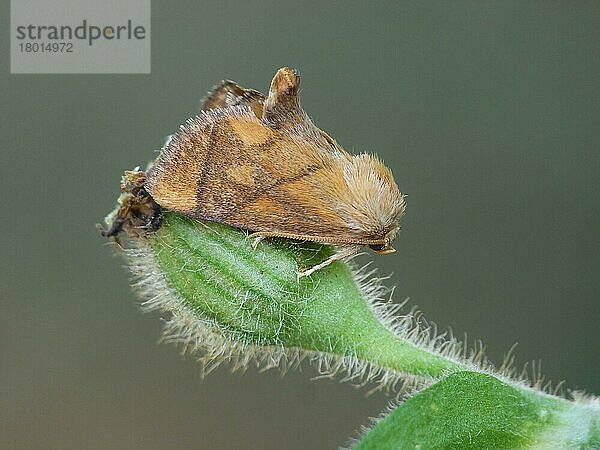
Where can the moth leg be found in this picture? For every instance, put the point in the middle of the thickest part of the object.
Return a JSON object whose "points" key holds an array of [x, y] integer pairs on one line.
{"points": [[259, 236], [256, 240], [155, 220], [343, 253], [115, 228]]}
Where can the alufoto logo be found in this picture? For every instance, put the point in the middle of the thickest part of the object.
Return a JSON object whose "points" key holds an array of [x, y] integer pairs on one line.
{"points": [[84, 32]]}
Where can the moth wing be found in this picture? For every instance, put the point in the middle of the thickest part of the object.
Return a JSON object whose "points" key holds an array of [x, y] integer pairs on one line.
{"points": [[228, 166], [258, 164], [229, 93], [281, 109]]}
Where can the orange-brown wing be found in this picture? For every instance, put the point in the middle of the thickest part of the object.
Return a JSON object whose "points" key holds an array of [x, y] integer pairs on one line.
{"points": [[227, 166], [283, 104], [276, 174]]}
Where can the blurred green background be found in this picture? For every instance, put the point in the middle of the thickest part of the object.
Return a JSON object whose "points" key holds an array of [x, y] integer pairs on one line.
{"points": [[487, 113]]}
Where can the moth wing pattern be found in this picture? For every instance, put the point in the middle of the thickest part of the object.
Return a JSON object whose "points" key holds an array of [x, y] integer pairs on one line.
{"points": [[270, 170], [227, 166]]}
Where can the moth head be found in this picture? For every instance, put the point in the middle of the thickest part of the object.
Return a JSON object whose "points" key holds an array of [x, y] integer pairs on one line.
{"points": [[382, 249], [386, 247], [373, 205]]}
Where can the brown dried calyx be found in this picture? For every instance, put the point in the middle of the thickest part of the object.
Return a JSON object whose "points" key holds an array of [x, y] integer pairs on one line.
{"points": [[138, 214]]}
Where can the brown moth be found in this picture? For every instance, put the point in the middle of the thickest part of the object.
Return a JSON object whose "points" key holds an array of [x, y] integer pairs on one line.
{"points": [[260, 164]]}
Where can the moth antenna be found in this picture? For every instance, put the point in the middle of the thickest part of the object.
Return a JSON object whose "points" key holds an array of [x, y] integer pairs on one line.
{"points": [[282, 106]]}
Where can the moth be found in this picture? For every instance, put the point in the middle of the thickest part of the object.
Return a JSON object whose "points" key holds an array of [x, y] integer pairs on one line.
{"points": [[260, 164]]}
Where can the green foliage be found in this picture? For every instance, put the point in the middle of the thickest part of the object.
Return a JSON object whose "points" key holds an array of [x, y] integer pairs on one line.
{"points": [[256, 297], [232, 303], [466, 410]]}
